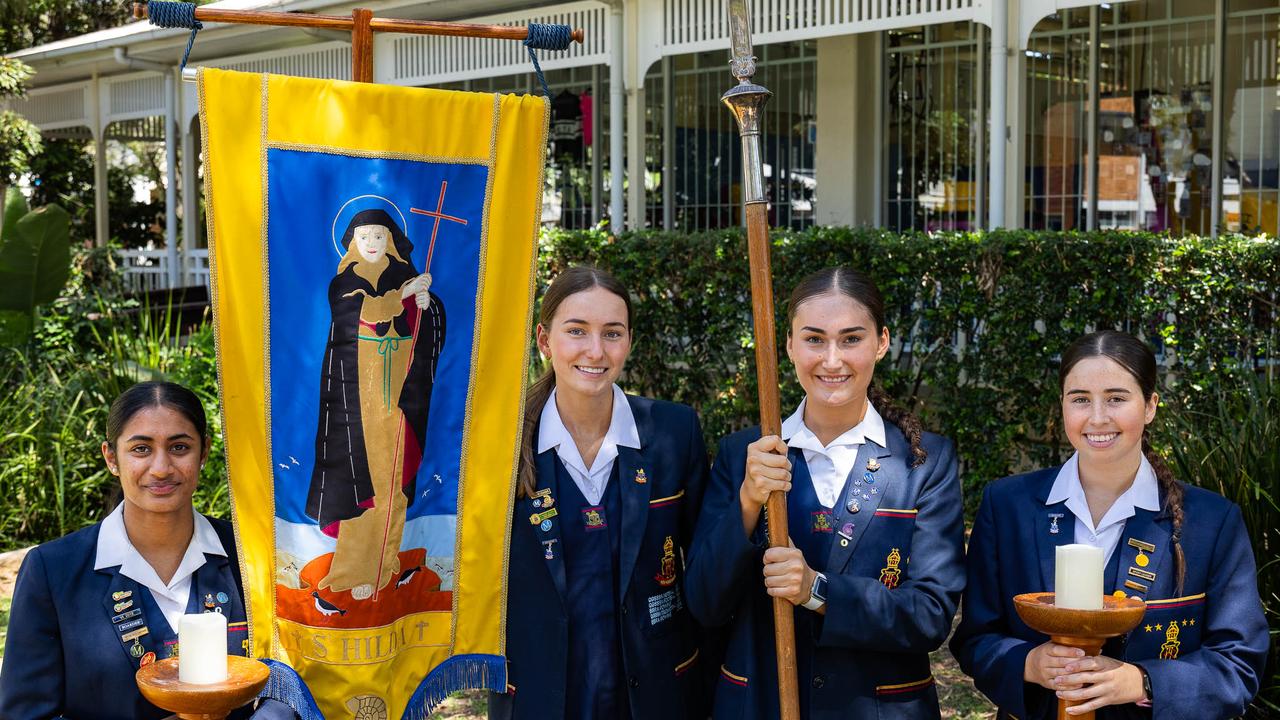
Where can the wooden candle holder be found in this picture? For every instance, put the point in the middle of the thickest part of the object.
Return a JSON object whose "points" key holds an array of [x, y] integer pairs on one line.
{"points": [[1084, 629], [161, 687]]}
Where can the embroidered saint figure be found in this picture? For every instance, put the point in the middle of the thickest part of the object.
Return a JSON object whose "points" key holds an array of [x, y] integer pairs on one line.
{"points": [[379, 364]]}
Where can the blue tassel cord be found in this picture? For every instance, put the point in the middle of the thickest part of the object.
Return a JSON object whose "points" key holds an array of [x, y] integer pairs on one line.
{"points": [[546, 37], [168, 14], [285, 685], [460, 672]]}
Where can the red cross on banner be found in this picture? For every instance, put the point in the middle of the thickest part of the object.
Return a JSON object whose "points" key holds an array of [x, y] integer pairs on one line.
{"points": [[438, 215]]}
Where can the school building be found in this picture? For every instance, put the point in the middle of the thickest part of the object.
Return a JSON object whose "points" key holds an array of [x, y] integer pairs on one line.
{"points": [[1158, 115]]}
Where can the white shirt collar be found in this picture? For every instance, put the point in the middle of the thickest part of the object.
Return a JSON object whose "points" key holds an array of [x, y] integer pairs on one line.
{"points": [[114, 549], [798, 435], [1143, 493], [622, 431]]}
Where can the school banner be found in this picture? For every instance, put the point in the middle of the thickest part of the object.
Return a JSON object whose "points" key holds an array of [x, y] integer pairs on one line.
{"points": [[371, 257]]}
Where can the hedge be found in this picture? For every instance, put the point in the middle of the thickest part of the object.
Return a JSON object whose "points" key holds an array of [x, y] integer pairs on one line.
{"points": [[977, 320]]}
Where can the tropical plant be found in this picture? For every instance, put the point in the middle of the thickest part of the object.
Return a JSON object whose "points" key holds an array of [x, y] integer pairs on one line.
{"points": [[35, 262], [1226, 437]]}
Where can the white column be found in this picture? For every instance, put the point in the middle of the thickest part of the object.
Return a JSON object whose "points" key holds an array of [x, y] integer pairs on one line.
{"points": [[835, 156], [999, 78], [617, 112], [171, 176], [100, 229], [190, 197], [636, 210]]}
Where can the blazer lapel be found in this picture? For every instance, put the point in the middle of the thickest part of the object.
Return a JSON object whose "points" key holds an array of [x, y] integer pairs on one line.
{"points": [[1144, 534], [635, 510], [867, 488], [549, 539], [124, 609], [1055, 525]]}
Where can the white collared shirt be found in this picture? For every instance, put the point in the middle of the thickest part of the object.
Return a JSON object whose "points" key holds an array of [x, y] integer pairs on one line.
{"points": [[622, 433], [115, 549], [829, 465], [1143, 493]]}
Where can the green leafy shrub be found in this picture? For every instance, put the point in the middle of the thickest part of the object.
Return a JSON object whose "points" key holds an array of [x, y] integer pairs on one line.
{"points": [[977, 320], [1227, 438]]}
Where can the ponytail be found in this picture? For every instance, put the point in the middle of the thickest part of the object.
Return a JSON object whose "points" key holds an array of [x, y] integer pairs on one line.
{"points": [[534, 401], [906, 421], [1173, 493]]}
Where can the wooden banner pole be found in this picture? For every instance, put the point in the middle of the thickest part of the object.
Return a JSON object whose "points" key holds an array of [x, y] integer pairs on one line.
{"points": [[362, 25]]}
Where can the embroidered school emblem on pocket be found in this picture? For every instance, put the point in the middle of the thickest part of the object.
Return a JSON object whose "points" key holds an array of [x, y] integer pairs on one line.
{"points": [[891, 575], [593, 518], [666, 577], [821, 522]]}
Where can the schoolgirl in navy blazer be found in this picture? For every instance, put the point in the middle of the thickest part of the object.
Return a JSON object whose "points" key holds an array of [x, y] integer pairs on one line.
{"points": [[877, 567], [91, 608], [597, 621], [1198, 652]]}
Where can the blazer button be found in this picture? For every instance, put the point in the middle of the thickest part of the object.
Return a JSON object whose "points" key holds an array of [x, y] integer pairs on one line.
{"points": [[818, 682], [633, 681]]}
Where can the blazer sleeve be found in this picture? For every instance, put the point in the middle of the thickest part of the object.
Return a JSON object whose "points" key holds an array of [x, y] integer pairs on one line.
{"points": [[1225, 672], [915, 617], [32, 688], [695, 482], [723, 558], [982, 643]]}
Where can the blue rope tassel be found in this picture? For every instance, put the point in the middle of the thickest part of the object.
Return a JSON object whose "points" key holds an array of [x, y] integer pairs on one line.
{"points": [[170, 14], [546, 37]]}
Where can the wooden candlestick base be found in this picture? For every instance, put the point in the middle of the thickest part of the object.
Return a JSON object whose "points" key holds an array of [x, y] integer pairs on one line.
{"points": [[1084, 629], [161, 687]]}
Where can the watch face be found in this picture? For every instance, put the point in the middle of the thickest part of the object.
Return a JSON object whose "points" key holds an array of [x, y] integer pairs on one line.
{"points": [[820, 587]]}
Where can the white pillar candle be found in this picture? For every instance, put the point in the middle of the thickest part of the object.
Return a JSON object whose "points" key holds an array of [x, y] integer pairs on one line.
{"points": [[1078, 577], [202, 648]]}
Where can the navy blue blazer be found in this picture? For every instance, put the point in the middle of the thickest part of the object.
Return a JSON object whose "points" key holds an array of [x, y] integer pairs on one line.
{"points": [[661, 487], [869, 654], [1204, 647], [64, 656]]}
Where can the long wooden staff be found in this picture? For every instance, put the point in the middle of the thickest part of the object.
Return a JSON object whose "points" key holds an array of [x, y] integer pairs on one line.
{"points": [[746, 101]]}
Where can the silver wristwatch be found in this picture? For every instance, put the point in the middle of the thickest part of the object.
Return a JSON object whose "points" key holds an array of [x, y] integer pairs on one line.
{"points": [[817, 593]]}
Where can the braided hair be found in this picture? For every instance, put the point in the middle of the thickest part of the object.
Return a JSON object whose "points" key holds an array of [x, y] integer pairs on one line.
{"points": [[846, 281], [1137, 359]]}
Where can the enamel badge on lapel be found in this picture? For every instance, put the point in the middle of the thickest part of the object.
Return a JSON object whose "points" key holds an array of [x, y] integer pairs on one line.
{"points": [[666, 577], [209, 605], [853, 505], [1143, 547], [147, 660], [136, 650], [873, 465], [549, 545], [119, 595], [542, 499], [891, 575], [1053, 522], [640, 476], [543, 519], [846, 531], [122, 606]]}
